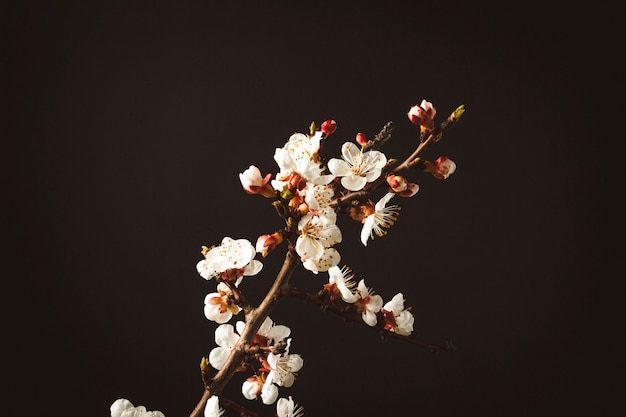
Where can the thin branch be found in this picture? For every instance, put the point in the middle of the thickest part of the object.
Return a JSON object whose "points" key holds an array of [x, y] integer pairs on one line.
{"points": [[253, 322], [243, 411], [326, 305], [379, 140]]}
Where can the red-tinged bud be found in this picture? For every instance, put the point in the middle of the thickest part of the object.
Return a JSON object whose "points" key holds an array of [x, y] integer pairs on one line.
{"points": [[397, 183], [442, 168], [401, 186], [267, 243], [254, 183], [423, 115], [328, 127], [361, 139]]}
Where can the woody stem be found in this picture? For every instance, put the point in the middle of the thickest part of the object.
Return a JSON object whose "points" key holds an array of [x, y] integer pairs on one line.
{"points": [[254, 319]]}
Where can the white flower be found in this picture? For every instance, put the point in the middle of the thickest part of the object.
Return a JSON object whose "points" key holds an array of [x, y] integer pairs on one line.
{"points": [[382, 218], [251, 387], [318, 198], [212, 408], [226, 339], [291, 165], [124, 408], [397, 319], [315, 236], [272, 332], [284, 367], [231, 260], [329, 258], [304, 146], [218, 306], [369, 304], [287, 408], [269, 392], [357, 168], [343, 280], [260, 385]]}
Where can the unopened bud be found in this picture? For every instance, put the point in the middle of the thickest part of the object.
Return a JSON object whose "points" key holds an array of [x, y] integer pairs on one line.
{"points": [[254, 183], [397, 183], [204, 364], [458, 112], [401, 186], [442, 168], [328, 127], [361, 139], [267, 243], [423, 114]]}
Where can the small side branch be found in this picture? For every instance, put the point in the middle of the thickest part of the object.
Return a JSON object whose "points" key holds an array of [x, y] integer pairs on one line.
{"points": [[379, 140], [349, 316]]}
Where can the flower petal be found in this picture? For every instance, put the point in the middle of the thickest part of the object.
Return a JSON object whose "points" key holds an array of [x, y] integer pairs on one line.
{"points": [[253, 268], [366, 231], [338, 167], [349, 151], [353, 182]]}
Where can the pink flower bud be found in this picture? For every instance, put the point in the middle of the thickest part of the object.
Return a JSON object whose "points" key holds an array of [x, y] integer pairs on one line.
{"points": [[328, 127], [397, 183], [442, 168], [423, 114], [401, 186], [361, 139], [254, 183], [267, 243]]}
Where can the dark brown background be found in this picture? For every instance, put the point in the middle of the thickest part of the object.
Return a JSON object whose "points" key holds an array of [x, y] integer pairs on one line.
{"points": [[129, 122]]}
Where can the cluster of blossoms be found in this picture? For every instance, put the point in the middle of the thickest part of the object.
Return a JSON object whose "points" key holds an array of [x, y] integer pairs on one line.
{"points": [[270, 361], [309, 193]]}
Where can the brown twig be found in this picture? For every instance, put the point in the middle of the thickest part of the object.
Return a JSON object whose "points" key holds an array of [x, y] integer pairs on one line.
{"points": [[254, 319], [356, 318], [243, 411]]}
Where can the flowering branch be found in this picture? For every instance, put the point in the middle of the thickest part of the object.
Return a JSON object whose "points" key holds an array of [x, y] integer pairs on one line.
{"points": [[254, 319], [350, 315], [308, 193]]}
